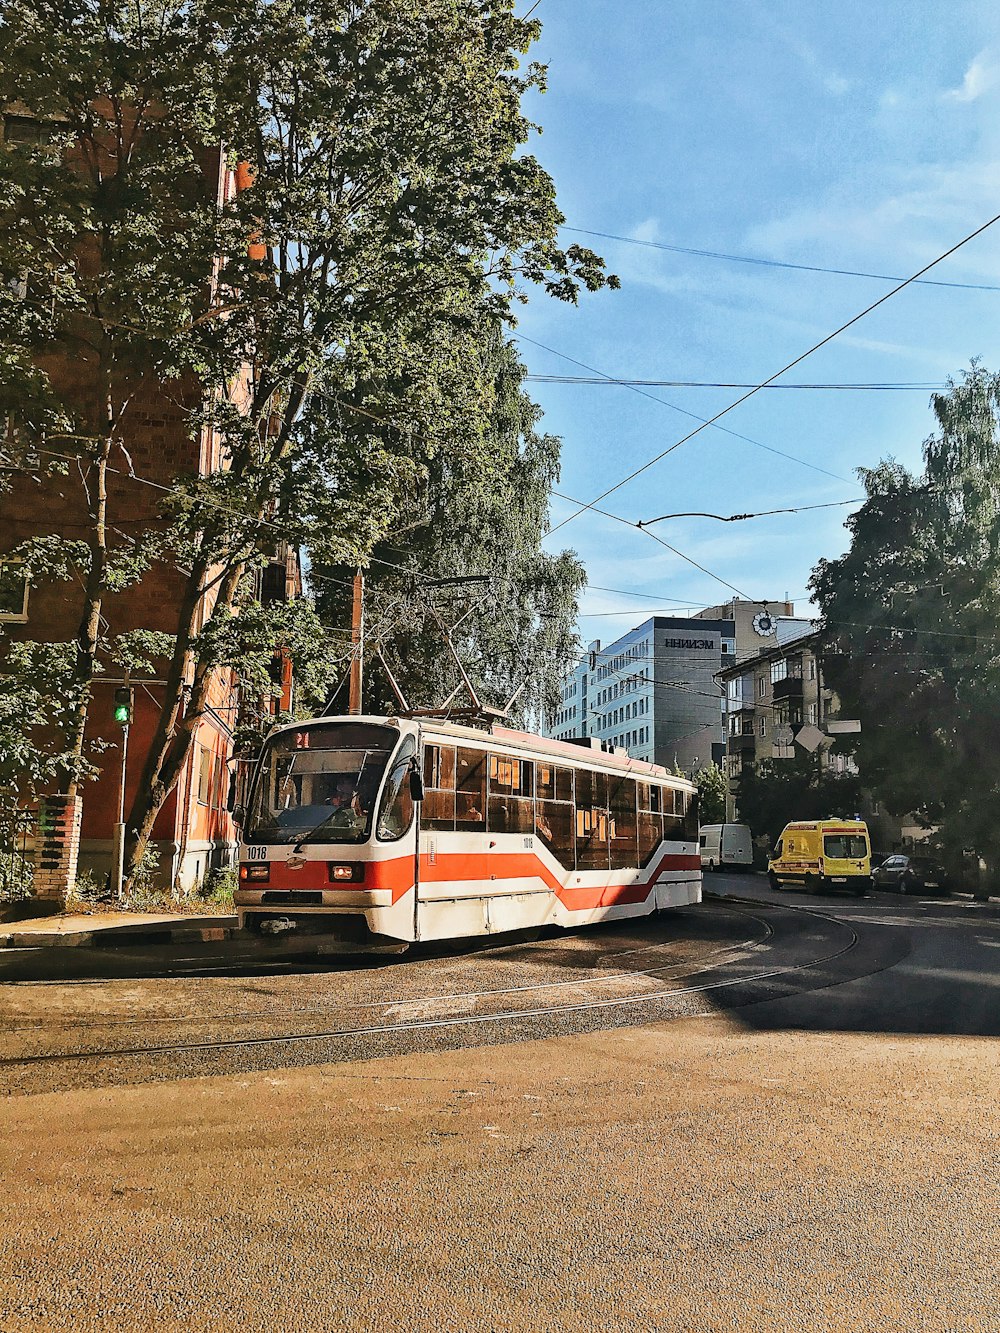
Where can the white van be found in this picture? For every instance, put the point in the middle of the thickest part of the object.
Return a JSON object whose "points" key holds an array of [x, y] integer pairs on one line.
{"points": [[725, 846]]}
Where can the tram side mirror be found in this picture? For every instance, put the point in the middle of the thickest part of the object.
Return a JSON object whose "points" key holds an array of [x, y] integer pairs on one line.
{"points": [[416, 786], [239, 814]]}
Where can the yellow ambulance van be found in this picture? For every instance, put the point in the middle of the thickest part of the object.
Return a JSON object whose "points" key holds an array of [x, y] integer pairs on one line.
{"points": [[822, 853]]}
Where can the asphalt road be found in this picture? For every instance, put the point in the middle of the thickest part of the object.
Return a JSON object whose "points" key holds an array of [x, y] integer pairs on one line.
{"points": [[771, 1112]]}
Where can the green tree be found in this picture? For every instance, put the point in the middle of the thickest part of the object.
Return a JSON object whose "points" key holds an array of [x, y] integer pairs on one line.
{"points": [[389, 214], [713, 788], [781, 790], [479, 512], [912, 623]]}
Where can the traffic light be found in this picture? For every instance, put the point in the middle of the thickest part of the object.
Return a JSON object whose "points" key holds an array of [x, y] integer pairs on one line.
{"points": [[124, 699]]}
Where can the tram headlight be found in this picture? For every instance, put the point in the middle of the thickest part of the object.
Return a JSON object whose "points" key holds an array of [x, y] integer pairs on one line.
{"points": [[258, 872], [345, 872]]}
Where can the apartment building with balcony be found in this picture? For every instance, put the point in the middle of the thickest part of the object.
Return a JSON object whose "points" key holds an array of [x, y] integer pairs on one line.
{"points": [[654, 691], [774, 697]]}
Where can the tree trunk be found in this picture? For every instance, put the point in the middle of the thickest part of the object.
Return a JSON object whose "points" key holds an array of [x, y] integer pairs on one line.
{"points": [[90, 621], [178, 721]]}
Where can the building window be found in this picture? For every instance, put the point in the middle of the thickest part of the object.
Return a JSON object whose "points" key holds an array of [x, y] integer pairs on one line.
{"points": [[779, 670], [28, 129], [761, 687], [206, 774], [812, 714], [13, 591], [762, 725], [812, 668]]}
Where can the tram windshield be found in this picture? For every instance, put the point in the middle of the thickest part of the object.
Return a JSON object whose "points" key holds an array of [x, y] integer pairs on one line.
{"points": [[319, 783]]}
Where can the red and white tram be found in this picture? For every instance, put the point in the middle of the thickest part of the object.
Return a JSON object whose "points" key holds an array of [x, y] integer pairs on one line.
{"points": [[402, 829]]}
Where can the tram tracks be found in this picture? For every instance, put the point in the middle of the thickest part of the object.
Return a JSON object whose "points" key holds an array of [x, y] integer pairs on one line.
{"points": [[712, 959], [397, 1026]]}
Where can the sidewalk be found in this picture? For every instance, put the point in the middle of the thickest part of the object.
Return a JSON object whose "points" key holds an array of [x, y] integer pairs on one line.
{"points": [[108, 929]]}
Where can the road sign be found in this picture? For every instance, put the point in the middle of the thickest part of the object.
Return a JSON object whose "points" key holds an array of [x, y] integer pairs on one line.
{"points": [[784, 735], [844, 727], [810, 737]]}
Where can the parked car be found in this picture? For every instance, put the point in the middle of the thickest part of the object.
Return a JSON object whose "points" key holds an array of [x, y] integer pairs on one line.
{"points": [[911, 874]]}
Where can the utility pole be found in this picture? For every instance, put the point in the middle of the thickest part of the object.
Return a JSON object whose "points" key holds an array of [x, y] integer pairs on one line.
{"points": [[357, 644]]}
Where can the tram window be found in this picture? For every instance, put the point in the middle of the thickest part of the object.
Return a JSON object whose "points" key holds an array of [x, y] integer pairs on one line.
{"points": [[439, 767], [438, 808], [510, 774], [622, 799], [564, 784], [591, 788], [691, 818], [470, 801], [650, 797], [396, 810], [511, 814], [650, 835], [545, 781], [591, 838], [554, 825]]}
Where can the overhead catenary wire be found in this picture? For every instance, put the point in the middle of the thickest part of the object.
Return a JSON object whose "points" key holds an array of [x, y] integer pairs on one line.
{"points": [[874, 305], [624, 383], [739, 518], [726, 430], [605, 513], [775, 263]]}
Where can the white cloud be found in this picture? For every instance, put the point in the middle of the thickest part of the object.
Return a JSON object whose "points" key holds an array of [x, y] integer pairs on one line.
{"points": [[982, 75]]}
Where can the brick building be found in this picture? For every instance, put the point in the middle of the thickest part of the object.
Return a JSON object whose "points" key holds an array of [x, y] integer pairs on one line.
{"points": [[193, 831]]}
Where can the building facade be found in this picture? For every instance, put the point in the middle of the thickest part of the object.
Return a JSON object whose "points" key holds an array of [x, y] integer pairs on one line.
{"points": [[654, 691], [193, 832], [777, 703]]}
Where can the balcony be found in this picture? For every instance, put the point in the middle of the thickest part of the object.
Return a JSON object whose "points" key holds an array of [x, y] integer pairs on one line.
{"points": [[789, 688], [745, 743]]}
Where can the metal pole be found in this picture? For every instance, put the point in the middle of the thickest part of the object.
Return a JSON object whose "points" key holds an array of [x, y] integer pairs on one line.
{"points": [[118, 840], [357, 643]]}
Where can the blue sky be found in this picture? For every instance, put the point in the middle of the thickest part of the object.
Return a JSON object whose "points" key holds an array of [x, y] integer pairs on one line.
{"points": [[852, 136]]}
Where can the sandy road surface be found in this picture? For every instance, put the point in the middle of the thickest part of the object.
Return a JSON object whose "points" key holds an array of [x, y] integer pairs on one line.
{"points": [[686, 1176]]}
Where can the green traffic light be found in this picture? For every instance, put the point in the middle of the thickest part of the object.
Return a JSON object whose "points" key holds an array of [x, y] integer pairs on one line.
{"points": [[122, 714]]}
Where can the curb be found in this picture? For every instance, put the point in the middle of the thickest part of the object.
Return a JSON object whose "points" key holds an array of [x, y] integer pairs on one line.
{"points": [[112, 936]]}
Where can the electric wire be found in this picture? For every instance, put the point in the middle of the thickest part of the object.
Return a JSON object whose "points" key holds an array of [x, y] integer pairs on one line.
{"points": [[874, 305], [726, 430], [624, 383], [776, 263]]}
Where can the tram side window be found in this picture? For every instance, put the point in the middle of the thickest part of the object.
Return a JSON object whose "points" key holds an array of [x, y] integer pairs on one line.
{"points": [[691, 817], [650, 821], [438, 808], [673, 813], [623, 830], [554, 822], [592, 820], [511, 806], [470, 788], [553, 782]]}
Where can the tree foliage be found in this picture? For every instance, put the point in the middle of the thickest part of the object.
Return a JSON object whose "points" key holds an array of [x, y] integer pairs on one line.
{"points": [[781, 790], [912, 620], [482, 512], [713, 788], [314, 326]]}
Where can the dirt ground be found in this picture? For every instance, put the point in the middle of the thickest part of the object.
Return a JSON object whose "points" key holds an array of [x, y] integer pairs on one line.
{"points": [[688, 1176]]}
